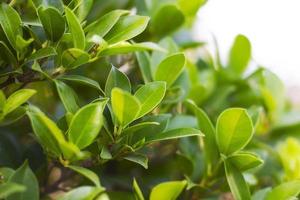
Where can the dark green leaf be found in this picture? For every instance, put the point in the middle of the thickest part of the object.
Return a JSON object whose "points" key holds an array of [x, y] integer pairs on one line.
{"points": [[42, 53], [6, 55], [138, 158]]}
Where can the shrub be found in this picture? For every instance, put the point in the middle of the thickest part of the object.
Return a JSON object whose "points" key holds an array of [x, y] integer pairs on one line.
{"points": [[92, 90]]}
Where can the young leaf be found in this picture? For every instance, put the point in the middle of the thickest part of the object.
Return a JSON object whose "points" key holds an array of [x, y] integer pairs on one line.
{"points": [[126, 28], [150, 95], [92, 176], [245, 160], [118, 79], [82, 80], [137, 191], [46, 131], [67, 96], [240, 54], [86, 124], [125, 106], [138, 158], [75, 29], [234, 130], [11, 23], [168, 190], [42, 53], [170, 68], [53, 22], [144, 63], [103, 25], [7, 189], [73, 58], [236, 182], [24, 176], [17, 99], [83, 192], [22, 44], [284, 191], [173, 134]]}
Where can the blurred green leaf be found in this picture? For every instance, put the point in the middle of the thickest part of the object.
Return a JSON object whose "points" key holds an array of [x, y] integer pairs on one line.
{"points": [[245, 160], [83, 192], [144, 63], [82, 80], [84, 9], [92, 176], [6, 55], [73, 58], [137, 191], [42, 53], [284, 191], [167, 190], [7, 189], [138, 158]]}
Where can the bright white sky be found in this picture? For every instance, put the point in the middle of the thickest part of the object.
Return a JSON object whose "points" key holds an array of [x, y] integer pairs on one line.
{"points": [[273, 27]]}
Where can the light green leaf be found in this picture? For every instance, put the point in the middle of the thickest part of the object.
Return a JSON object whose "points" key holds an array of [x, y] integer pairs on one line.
{"points": [[245, 160], [144, 63], [125, 106], [6, 173], [6, 55], [92, 176], [167, 190], [84, 8], [2, 100], [118, 79], [24, 176], [103, 25], [73, 58], [7, 189], [173, 134], [134, 128], [284, 191], [75, 29], [170, 68], [261, 194], [138, 158], [11, 23], [126, 28], [234, 130], [83, 192], [17, 99], [42, 53], [240, 54], [22, 44], [137, 191], [150, 95], [236, 182], [82, 80], [86, 124], [67, 96]]}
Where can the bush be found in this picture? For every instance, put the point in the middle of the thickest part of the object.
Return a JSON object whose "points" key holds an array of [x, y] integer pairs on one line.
{"points": [[209, 130]]}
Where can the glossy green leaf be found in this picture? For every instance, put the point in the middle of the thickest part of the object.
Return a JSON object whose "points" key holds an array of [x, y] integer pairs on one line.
{"points": [[170, 68], [103, 25], [138, 158], [173, 134], [83, 192], [75, 29], [42, 53], [17, 99], [234, 130], [150, 95], [6, 54], [144, 63], [24, 176], [11, 23], [92, 176], [245, 160], [240, 54], [67, 96], [73, 58], [126, 28], [137, 191], [45, 130], [236, 182], [284, 191], [116, 78], [7, 189], [125, 106], [167, 190], [86, 124], [82, 80]]}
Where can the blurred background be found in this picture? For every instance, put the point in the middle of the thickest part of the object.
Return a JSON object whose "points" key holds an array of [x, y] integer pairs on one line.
{"points": [[272, 26]]}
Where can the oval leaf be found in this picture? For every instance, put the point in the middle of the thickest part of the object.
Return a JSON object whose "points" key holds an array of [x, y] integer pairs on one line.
{"points": [[87, 173], [245, 160], [168, 190]]}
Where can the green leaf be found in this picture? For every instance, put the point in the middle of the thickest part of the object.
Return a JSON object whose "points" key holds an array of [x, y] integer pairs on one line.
{"points": [[234, 130], [261, 194], [7, 189], [46, 131], [167, 19], [2, 100], [103, 25], [84, 8], [92, 176], [134, 128], [245, 160], [13, 116], [240, 55], [22, 44], [167, 190], [118, 79], [236, 182], [83, 192], [6, 55], [73, 58], [137, 191], [138, 158], [284, 191], [24, 176], [150, 95], [82, 80], [126, 28], [125, 106], [173, 134], [42, 53], [75, 29], [6, 173], [86, 124], [126, 47], [17, 99], [144, 63], [170, 68], [11, 23], [67, 96]]}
